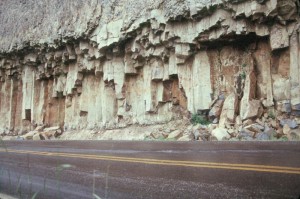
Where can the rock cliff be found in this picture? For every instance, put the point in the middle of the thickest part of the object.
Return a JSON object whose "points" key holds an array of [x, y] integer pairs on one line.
{"points": [[97, 64]]}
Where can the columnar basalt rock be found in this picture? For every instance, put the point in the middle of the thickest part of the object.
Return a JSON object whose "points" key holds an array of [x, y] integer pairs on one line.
{"points": [[109, 64]]}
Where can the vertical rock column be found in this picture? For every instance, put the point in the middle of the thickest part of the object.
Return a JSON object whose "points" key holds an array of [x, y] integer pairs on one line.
{"points": [[264, 80], [195, 80], [16, 105], [54, 105], [294, 70], [109, 103], [149, 106], [27, 102], [13, 102], [39, 101], [249, 107], [89, 107], [5, 103], [201, 83]]}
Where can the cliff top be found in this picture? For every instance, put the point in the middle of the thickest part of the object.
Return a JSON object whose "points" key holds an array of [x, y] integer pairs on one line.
{"points": [[26, 23]]}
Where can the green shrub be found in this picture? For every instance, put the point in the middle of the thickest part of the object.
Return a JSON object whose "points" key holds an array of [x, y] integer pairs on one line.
{"points": [[198, 119], [243, 75], [271, 115], [243, 71]]}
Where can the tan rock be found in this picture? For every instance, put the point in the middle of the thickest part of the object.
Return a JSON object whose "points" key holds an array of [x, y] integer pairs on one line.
{"points": [[238, 122], [282, 62], [297, 120], [175, 134], [216, 109], [281, 88], [280, 131], [229, 125], [248, 122], [52, 132], [229, 110], [254, 128], [251, 110], [294, 68], [220, 134], [185, 138], [39, 128], [43, 136], [190, 127], [156, 135], [54, 128], [201, 85], [260, 122], [249, 107], [286, 129], [165, 134], [244, 134], [30, 135], [231, 132], [264, 79], [233, 61], [274, 124], [36, 137], [211, 127]]}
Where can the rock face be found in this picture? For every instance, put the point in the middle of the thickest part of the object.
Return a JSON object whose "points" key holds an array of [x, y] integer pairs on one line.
{"points": [[109, 64]]}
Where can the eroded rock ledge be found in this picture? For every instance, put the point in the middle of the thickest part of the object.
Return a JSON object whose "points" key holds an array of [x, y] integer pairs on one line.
{"points": [[231, 60]]}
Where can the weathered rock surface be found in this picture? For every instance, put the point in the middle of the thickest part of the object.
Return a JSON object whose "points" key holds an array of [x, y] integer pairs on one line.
{"points": [[220, 134], [111, 64], [36, 137], [30, 135], [175, 134], [290, 123]]}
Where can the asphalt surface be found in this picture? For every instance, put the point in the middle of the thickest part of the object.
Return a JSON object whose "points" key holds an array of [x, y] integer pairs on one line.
{"points": [[121, 170]]}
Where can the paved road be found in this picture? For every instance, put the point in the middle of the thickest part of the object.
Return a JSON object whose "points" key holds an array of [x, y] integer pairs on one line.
{"points": [[121, 170]]}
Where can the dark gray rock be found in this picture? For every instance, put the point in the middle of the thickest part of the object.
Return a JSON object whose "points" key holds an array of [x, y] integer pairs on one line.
{"points": [[263, 136], [272, 133], [247, 139], [19, 138], [296, 110], [291, 123], [286, 107], [245, 135]]}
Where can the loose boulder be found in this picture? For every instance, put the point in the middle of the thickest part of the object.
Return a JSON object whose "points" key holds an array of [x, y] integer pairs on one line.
{"points": [[220, 134], [175, 134], [29, 135], [291, 123]]}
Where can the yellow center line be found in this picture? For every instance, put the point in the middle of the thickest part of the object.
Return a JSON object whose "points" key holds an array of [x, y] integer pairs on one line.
{"points": [[214, 165], [153, 160]]}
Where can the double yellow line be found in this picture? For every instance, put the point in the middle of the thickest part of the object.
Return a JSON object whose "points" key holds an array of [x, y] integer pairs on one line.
{"points": [[212, 165]]}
